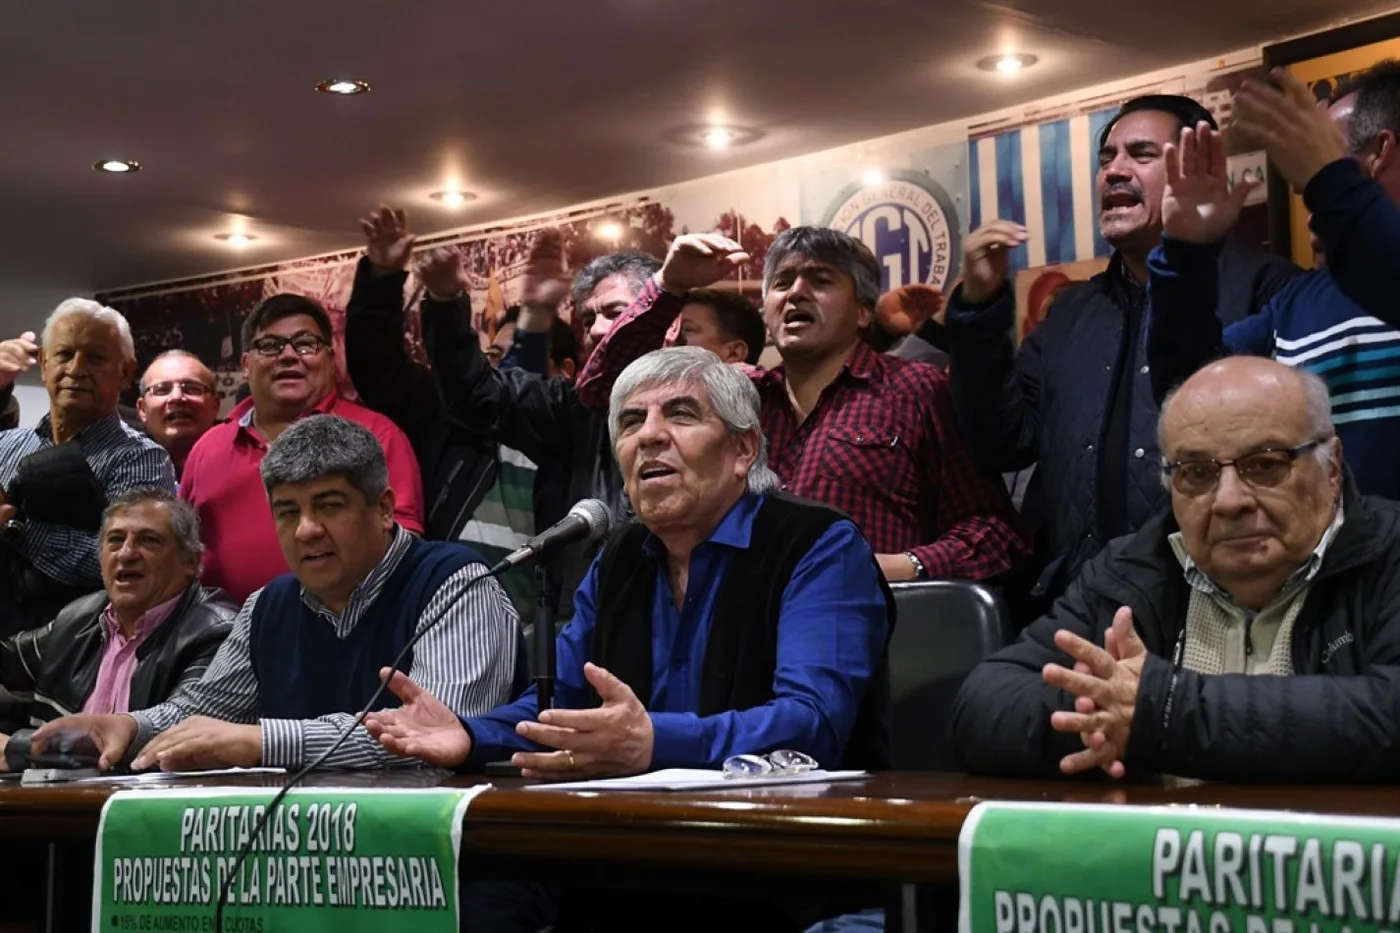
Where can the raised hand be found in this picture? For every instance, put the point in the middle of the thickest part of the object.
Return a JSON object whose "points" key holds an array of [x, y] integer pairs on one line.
{"points": [[1282, 118], [986, 259], [17, 356], [388, 241], [699, 260], [546, 280], [1198, 205], [441, 273]]}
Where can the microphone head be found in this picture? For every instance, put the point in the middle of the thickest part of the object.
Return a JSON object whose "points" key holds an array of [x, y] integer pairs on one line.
{"points": [[596, 514]]}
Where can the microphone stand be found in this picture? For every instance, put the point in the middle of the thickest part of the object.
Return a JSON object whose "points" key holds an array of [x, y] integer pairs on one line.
{"points": [[543, 675], [542, 662]]}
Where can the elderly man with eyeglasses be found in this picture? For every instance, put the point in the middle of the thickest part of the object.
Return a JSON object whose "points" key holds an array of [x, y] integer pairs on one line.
{"points": [[178, 403], [289, 365], [1251, 633]]}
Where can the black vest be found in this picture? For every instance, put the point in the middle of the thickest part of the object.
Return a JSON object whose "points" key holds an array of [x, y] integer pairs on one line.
{"points": [[742, 652], [305, 671]]}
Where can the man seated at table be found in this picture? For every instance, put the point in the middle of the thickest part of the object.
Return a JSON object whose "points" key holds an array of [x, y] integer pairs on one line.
{"points": [[731, 620], [151, 631], [58, 476], [1250, 633], [305, 651]]}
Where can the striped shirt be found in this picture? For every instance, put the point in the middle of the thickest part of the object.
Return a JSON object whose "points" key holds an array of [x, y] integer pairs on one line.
{"points": [[467, 661], [120, 457]]}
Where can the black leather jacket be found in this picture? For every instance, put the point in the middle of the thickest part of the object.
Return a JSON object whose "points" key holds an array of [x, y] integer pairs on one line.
{"points": [[50, 671]]}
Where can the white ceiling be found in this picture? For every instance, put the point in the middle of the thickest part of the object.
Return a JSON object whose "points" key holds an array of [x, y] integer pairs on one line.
{"points": [[535, 104]]}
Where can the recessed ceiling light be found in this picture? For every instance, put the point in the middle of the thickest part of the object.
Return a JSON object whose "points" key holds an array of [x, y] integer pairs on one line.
{"points": [[235, 239], [117, 166], [343, 86], [452, 198], [713, 136], [873, 177], [1007, 64]]}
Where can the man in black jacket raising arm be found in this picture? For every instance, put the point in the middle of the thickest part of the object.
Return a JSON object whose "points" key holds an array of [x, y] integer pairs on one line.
{"points": [[1251, 633]]}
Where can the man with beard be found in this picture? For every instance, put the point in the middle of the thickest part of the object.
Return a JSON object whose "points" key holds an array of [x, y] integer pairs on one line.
{"points": [[1076, 399]]}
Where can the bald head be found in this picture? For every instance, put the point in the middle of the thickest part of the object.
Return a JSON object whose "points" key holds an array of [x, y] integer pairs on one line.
{"points": [[1255, 473], [1245, 390]]}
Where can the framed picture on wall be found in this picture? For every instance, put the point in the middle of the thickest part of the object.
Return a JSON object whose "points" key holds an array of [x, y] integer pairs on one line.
{"points": [[1324, 62]]}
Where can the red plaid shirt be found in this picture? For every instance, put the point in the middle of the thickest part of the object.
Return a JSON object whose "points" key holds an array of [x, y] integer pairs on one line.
{"points": [[880, 445]]}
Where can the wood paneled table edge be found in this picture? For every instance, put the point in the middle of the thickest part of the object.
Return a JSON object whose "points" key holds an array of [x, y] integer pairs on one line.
{"points": [[893, 827]]}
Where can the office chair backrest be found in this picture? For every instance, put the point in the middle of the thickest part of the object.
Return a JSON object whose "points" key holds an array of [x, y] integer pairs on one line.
{"points": [[945, 629]]}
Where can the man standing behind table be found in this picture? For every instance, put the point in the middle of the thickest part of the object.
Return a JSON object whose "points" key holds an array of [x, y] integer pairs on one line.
{"points": [[1076, 398], [289, 366], [305, 651], [178, 403], [1341, 322], [862, 432], [58, 476]]}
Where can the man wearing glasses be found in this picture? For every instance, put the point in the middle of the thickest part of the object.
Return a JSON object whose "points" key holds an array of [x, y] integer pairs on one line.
{"points": [[1251, 633], [178, 403], [290, 369]]}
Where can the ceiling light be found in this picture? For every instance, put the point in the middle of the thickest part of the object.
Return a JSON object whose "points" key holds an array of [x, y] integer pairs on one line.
{"points": [[452, 198], [718, 138], [117, 166], [237, 240], [610, 231], [343, 86], [873, 177], [1007, 64]]}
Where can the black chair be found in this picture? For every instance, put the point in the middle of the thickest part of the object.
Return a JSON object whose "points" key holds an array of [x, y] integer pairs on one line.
{"points": [[944, 629]]}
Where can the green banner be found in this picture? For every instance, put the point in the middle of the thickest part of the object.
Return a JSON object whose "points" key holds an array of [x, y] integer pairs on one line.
{"points": [[342, 860], [1043, 868]]}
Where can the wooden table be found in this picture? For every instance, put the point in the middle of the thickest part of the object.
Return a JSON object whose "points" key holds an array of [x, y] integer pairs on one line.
{"points": [[900, 827]]}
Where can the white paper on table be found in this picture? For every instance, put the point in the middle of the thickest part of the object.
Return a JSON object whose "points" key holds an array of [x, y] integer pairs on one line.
{"points": [[682, 779], [159, 777]]}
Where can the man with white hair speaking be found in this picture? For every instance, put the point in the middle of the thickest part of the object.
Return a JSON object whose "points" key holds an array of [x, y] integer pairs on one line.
{"points": [[57, 477]]}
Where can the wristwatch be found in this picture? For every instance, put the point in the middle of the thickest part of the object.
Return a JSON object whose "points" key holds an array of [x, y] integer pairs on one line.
{"points": [[920, 573]]}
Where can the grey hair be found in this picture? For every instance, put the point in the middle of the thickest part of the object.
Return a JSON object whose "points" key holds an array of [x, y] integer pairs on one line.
{"points": [[634, 267], [184, 520], [83, 307], [733, 397], [847, 254], [171, 354], [1317, 401], [327, 445]]}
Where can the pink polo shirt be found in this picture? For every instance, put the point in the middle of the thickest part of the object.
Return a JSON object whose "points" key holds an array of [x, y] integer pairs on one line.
{"points": [[221, 480], [112, 692]]}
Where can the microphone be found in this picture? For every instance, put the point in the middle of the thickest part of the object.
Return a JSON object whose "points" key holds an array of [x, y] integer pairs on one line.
{"points": [[588, 520]]}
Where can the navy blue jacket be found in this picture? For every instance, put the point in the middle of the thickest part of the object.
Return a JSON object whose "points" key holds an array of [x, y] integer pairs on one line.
{"points": [[1048, 403], [1340, 322]]}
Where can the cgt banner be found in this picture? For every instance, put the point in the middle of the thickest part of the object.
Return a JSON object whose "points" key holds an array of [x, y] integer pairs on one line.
{"points": [[1044, 868], [342, 860]]}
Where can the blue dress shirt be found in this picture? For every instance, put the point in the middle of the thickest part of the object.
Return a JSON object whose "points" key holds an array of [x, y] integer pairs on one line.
{"points": [[831, 635]]}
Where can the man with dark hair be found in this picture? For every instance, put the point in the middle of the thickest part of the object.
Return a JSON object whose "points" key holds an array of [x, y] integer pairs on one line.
{"points": [[178, 403], [151, 631], [725, 323], [289, 365], [305, 651], [463, 408], [863, 432], [1339, 321], [1076, 400]]}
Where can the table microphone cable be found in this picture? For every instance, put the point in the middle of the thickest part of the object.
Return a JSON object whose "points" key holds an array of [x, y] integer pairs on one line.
{"points": [[247, 848]]}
